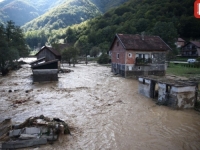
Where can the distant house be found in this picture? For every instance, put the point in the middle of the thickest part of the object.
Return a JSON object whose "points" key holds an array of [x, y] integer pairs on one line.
{"points": [[135, 55], [49, 53], [180, 43], [191, 49]]}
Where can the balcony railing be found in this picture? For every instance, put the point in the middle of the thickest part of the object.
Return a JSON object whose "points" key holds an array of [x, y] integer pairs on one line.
{"points": [[143, 61]]}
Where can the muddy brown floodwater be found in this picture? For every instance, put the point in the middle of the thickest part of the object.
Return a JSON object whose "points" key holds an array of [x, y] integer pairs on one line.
{"points": [[105, 111]]}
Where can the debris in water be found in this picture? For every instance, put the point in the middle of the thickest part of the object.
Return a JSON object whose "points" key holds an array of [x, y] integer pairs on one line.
{"points": [[32, 132], [19, 101], [65, 71]]}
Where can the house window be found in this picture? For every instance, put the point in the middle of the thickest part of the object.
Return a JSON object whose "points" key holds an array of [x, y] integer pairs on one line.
{"points": [[117, 43], [117, 55], [142, 58], [130, 55]]}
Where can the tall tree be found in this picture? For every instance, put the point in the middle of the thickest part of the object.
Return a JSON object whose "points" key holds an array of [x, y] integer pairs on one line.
{"points": [[166, 31], [70, 55], [12, 45]]}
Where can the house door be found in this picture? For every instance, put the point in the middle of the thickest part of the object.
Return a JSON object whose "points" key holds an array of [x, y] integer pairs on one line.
{"points": [[118, 68], [154, 90]]}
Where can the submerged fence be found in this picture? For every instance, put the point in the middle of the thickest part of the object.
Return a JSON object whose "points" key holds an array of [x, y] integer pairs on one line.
{"points": [[191, 65]]}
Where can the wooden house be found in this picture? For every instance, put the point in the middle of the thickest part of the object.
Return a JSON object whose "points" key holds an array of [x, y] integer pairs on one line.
{"points": [[191, 49], [49, 53], [135, 55], [180, 43]]}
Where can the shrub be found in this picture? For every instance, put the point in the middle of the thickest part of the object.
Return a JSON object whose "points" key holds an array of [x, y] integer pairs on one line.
{"points": [[103, 59]]}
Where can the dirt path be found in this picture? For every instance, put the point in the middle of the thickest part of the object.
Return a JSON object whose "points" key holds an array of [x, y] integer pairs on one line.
{"points": [[105, 111]]}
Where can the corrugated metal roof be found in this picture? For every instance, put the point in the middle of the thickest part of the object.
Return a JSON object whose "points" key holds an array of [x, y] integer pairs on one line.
{"points": [[142, 42]]}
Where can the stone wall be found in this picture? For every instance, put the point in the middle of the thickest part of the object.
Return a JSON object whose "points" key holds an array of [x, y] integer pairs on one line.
{"points": [[144, 87], [176, 97], [132, 70]]}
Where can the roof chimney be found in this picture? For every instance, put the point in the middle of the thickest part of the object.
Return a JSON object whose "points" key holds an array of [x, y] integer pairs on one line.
{"points": [[142, 35]]}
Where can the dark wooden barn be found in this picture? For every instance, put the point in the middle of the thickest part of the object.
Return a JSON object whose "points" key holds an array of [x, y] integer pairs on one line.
{"points": [[49, 53]]}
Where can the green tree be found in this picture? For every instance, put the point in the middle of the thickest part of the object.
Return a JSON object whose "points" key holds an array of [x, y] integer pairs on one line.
{"points": [[83, 45], [12, 45], [166, 31], [70, 55], [94, 51], [103, 59], [70, 36]]}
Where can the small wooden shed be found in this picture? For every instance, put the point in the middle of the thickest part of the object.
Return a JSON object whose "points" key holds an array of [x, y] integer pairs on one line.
{"points": [[49, 53]]}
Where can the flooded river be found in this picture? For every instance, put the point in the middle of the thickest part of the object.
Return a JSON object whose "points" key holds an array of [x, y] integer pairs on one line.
{"points": [[104, 111]]}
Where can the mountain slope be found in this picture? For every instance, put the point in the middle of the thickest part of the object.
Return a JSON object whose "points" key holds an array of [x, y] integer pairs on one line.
{"points": [[23, 11], [44, 5], [105, 5], [69, 13], [18, 11], [167, 18]]}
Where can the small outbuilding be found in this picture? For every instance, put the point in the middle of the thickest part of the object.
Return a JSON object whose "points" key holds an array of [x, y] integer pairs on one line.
{"points": [[178, 94], [46, 67]]}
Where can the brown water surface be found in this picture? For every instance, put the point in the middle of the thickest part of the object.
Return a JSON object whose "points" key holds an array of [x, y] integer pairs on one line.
{"points": [[105, 111]]}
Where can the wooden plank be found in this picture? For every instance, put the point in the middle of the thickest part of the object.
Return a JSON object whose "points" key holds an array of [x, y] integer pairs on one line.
{"points": [[5, 126]]}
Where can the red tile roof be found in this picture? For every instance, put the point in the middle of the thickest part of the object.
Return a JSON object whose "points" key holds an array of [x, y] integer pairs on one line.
{"points": [[139, 42], [195, 43], [181, 40]]}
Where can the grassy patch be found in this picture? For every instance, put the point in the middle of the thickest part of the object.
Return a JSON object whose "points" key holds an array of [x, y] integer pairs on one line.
{"points": [[178, 70]]}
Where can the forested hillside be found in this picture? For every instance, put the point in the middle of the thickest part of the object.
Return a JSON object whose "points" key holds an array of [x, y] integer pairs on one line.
{"points": [[105, 5], [167, 18], [22, 11], [18, 11], [69, 13]]}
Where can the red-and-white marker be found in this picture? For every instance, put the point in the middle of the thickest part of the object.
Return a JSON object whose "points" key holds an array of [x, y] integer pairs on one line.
{"points": [[197, 8]]}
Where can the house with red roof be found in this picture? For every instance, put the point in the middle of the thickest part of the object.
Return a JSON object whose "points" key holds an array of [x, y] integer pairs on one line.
{"points": [[180, 42], [135, 55], [191, 49]]}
